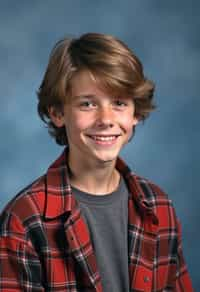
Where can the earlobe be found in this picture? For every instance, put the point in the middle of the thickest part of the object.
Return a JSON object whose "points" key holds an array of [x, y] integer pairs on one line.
{"points": [[56, 116], [135, 121]]}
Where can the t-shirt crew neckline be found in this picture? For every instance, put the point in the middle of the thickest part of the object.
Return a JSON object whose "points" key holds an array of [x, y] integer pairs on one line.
{"points": [[102, 199]]}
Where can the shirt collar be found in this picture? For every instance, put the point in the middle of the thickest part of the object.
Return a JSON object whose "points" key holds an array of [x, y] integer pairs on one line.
{"points": [[59, 198]]}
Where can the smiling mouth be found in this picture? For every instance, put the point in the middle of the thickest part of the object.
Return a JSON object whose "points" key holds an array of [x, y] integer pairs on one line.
{"points": [[104, 140]]}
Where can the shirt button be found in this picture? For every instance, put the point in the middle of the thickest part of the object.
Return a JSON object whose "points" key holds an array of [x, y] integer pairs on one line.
{"points": [[146, 279]]}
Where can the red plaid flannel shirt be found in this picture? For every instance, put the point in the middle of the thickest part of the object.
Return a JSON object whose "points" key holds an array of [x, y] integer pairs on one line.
{"points": [[45, 244]]}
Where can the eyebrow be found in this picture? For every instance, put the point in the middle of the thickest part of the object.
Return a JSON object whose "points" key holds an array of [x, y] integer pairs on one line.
{"points": [[90, 96]]}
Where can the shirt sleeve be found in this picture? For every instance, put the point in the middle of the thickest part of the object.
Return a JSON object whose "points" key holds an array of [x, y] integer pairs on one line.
{"points": [[183, 280], [20, 268]]}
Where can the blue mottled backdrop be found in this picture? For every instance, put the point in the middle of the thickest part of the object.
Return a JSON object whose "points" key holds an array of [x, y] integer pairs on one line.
{"points": [[165, 36]]}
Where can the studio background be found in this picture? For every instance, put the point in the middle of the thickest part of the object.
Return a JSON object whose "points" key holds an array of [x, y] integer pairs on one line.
{"points": [[165, 36]]}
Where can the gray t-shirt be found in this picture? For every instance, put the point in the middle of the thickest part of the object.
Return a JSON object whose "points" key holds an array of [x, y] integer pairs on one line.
{"points": [[107, 220]]}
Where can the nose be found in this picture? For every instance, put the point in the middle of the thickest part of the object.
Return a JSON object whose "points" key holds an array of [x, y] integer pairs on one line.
{"points": [[105, 117]]}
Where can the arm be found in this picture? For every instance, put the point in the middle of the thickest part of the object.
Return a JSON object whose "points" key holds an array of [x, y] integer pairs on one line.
{"points": [[20, 268], [183, 281], [179, 274]]}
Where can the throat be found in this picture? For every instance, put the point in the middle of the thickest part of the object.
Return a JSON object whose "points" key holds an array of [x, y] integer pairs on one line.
{"points": [[95, 185]]}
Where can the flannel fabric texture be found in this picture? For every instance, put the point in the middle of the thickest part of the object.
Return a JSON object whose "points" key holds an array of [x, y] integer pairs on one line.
{"points": [[45, 244]]}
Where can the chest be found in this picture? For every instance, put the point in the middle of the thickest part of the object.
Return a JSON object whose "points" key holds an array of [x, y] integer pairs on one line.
{"points": [[69, 260]]}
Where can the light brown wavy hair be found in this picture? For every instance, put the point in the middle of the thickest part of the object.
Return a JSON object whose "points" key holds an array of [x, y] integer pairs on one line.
{"points": [[113, 65]]}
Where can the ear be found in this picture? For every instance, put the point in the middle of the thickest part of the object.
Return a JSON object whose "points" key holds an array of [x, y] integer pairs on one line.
{"points": [[135, 120], [57, 116]]}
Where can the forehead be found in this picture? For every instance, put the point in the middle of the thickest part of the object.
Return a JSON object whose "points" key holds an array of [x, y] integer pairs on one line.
{"points": [[85, 83]]}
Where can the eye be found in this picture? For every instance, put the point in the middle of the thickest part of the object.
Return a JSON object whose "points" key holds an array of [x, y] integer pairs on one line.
{"points": [[120, 103], [87, 104]]}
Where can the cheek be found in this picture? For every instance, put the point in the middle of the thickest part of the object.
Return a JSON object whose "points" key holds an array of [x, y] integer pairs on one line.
{"points": [[126, 122], [79, 122]]}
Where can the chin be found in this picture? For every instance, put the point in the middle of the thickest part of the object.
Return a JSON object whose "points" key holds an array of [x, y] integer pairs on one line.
{"points": [[106, 158]]}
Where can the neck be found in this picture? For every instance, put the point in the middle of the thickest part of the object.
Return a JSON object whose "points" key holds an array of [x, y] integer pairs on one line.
{"points": [[103, 178]]}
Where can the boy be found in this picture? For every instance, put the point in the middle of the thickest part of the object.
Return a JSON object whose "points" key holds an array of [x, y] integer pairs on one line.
{"points": [[90, 224]]}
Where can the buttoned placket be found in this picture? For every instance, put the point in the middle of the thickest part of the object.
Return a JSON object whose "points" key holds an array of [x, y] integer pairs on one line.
{"points": [[75, 241], [149, 224]]}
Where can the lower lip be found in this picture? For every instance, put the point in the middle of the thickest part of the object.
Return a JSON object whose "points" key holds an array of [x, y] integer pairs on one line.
{"points": [[104, 143]]}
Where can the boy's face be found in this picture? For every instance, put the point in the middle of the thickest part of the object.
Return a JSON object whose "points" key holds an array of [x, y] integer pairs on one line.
{"points": [[97, 125]]}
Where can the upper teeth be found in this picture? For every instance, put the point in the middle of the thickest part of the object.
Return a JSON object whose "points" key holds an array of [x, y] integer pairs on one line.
{"points": [[104, 138]]}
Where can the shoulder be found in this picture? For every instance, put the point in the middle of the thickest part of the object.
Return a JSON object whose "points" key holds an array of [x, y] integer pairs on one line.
{"points": [[142, 188], [150, 190], [29, 203], [155, 200]]}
